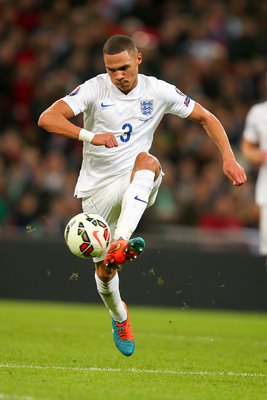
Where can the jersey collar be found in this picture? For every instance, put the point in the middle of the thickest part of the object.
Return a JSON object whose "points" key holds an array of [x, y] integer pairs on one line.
{"points": [[134, 93]]}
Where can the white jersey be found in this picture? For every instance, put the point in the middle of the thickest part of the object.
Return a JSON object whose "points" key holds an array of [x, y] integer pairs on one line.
{"points": [[256, 132], [133, 118]]}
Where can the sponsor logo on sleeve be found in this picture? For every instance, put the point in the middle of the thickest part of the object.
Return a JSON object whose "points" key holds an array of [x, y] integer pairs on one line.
{"points": [[75, 91], [187, 101]]}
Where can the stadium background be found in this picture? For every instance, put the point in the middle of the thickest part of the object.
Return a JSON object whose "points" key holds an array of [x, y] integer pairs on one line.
{"points": [[214, 51]]}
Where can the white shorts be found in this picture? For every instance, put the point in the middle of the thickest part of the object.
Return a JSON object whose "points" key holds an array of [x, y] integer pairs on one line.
{"points": [[263, 230], [107, 201]]}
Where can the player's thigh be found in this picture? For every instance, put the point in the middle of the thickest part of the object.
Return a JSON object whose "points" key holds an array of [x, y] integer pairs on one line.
{"points": [[107, 201]]}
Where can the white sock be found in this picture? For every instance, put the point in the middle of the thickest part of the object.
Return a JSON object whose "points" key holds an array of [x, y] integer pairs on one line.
{"points": [[110, 294], [134, 203]]}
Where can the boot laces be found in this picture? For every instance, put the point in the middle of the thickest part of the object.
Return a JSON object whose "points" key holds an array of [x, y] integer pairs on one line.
{"points": [[124, 331]]}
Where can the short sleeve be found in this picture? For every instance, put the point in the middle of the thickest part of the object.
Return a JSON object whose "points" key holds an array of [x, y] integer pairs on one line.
{"points": [[178, 103], [82, 97]]}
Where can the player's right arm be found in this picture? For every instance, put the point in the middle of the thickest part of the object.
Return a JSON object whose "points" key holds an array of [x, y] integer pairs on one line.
{"points": [[56, 119]]}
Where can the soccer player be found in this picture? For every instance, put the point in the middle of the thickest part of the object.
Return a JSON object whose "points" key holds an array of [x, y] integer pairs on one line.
{"points": [[119, 178], [254, 149]]}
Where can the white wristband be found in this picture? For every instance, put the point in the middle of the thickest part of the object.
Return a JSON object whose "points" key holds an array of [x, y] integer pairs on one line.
{"points": [[86, 136]]}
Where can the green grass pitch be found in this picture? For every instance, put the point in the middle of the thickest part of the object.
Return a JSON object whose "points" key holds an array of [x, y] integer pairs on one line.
{"points": [[55, 351]]}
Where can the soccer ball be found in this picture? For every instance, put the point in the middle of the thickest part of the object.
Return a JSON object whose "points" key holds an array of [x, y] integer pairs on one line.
{"points": [[87, 235]]}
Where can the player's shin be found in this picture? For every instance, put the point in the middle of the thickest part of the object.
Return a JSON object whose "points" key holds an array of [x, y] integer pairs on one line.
{"points": [[110, 294]]}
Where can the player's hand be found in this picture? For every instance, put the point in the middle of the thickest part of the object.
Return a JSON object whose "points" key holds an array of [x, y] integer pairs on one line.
{"points": [[104, 139], [234, 171]]}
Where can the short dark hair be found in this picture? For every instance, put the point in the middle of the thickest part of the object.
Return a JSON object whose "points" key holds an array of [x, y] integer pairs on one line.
{"points": [[117, 44]]}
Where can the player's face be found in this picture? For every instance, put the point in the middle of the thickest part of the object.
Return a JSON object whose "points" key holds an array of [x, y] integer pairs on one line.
{"points": [[122, 69]]}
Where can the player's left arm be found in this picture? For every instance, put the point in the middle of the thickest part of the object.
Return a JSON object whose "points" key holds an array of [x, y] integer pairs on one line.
{"points": [[216, 132]]}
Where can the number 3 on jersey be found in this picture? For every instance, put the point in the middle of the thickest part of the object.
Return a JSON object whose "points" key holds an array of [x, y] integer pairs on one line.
{"points": [[127, 128]]}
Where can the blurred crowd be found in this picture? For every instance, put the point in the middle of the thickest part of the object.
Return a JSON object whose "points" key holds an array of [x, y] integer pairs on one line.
{"points": [[214, 51]]}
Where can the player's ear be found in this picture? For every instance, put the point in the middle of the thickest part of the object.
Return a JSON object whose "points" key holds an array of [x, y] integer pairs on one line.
{"points": [[139, 58]]}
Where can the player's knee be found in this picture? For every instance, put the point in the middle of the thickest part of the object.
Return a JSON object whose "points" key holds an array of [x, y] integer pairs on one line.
{"points": [[145, 160]]}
